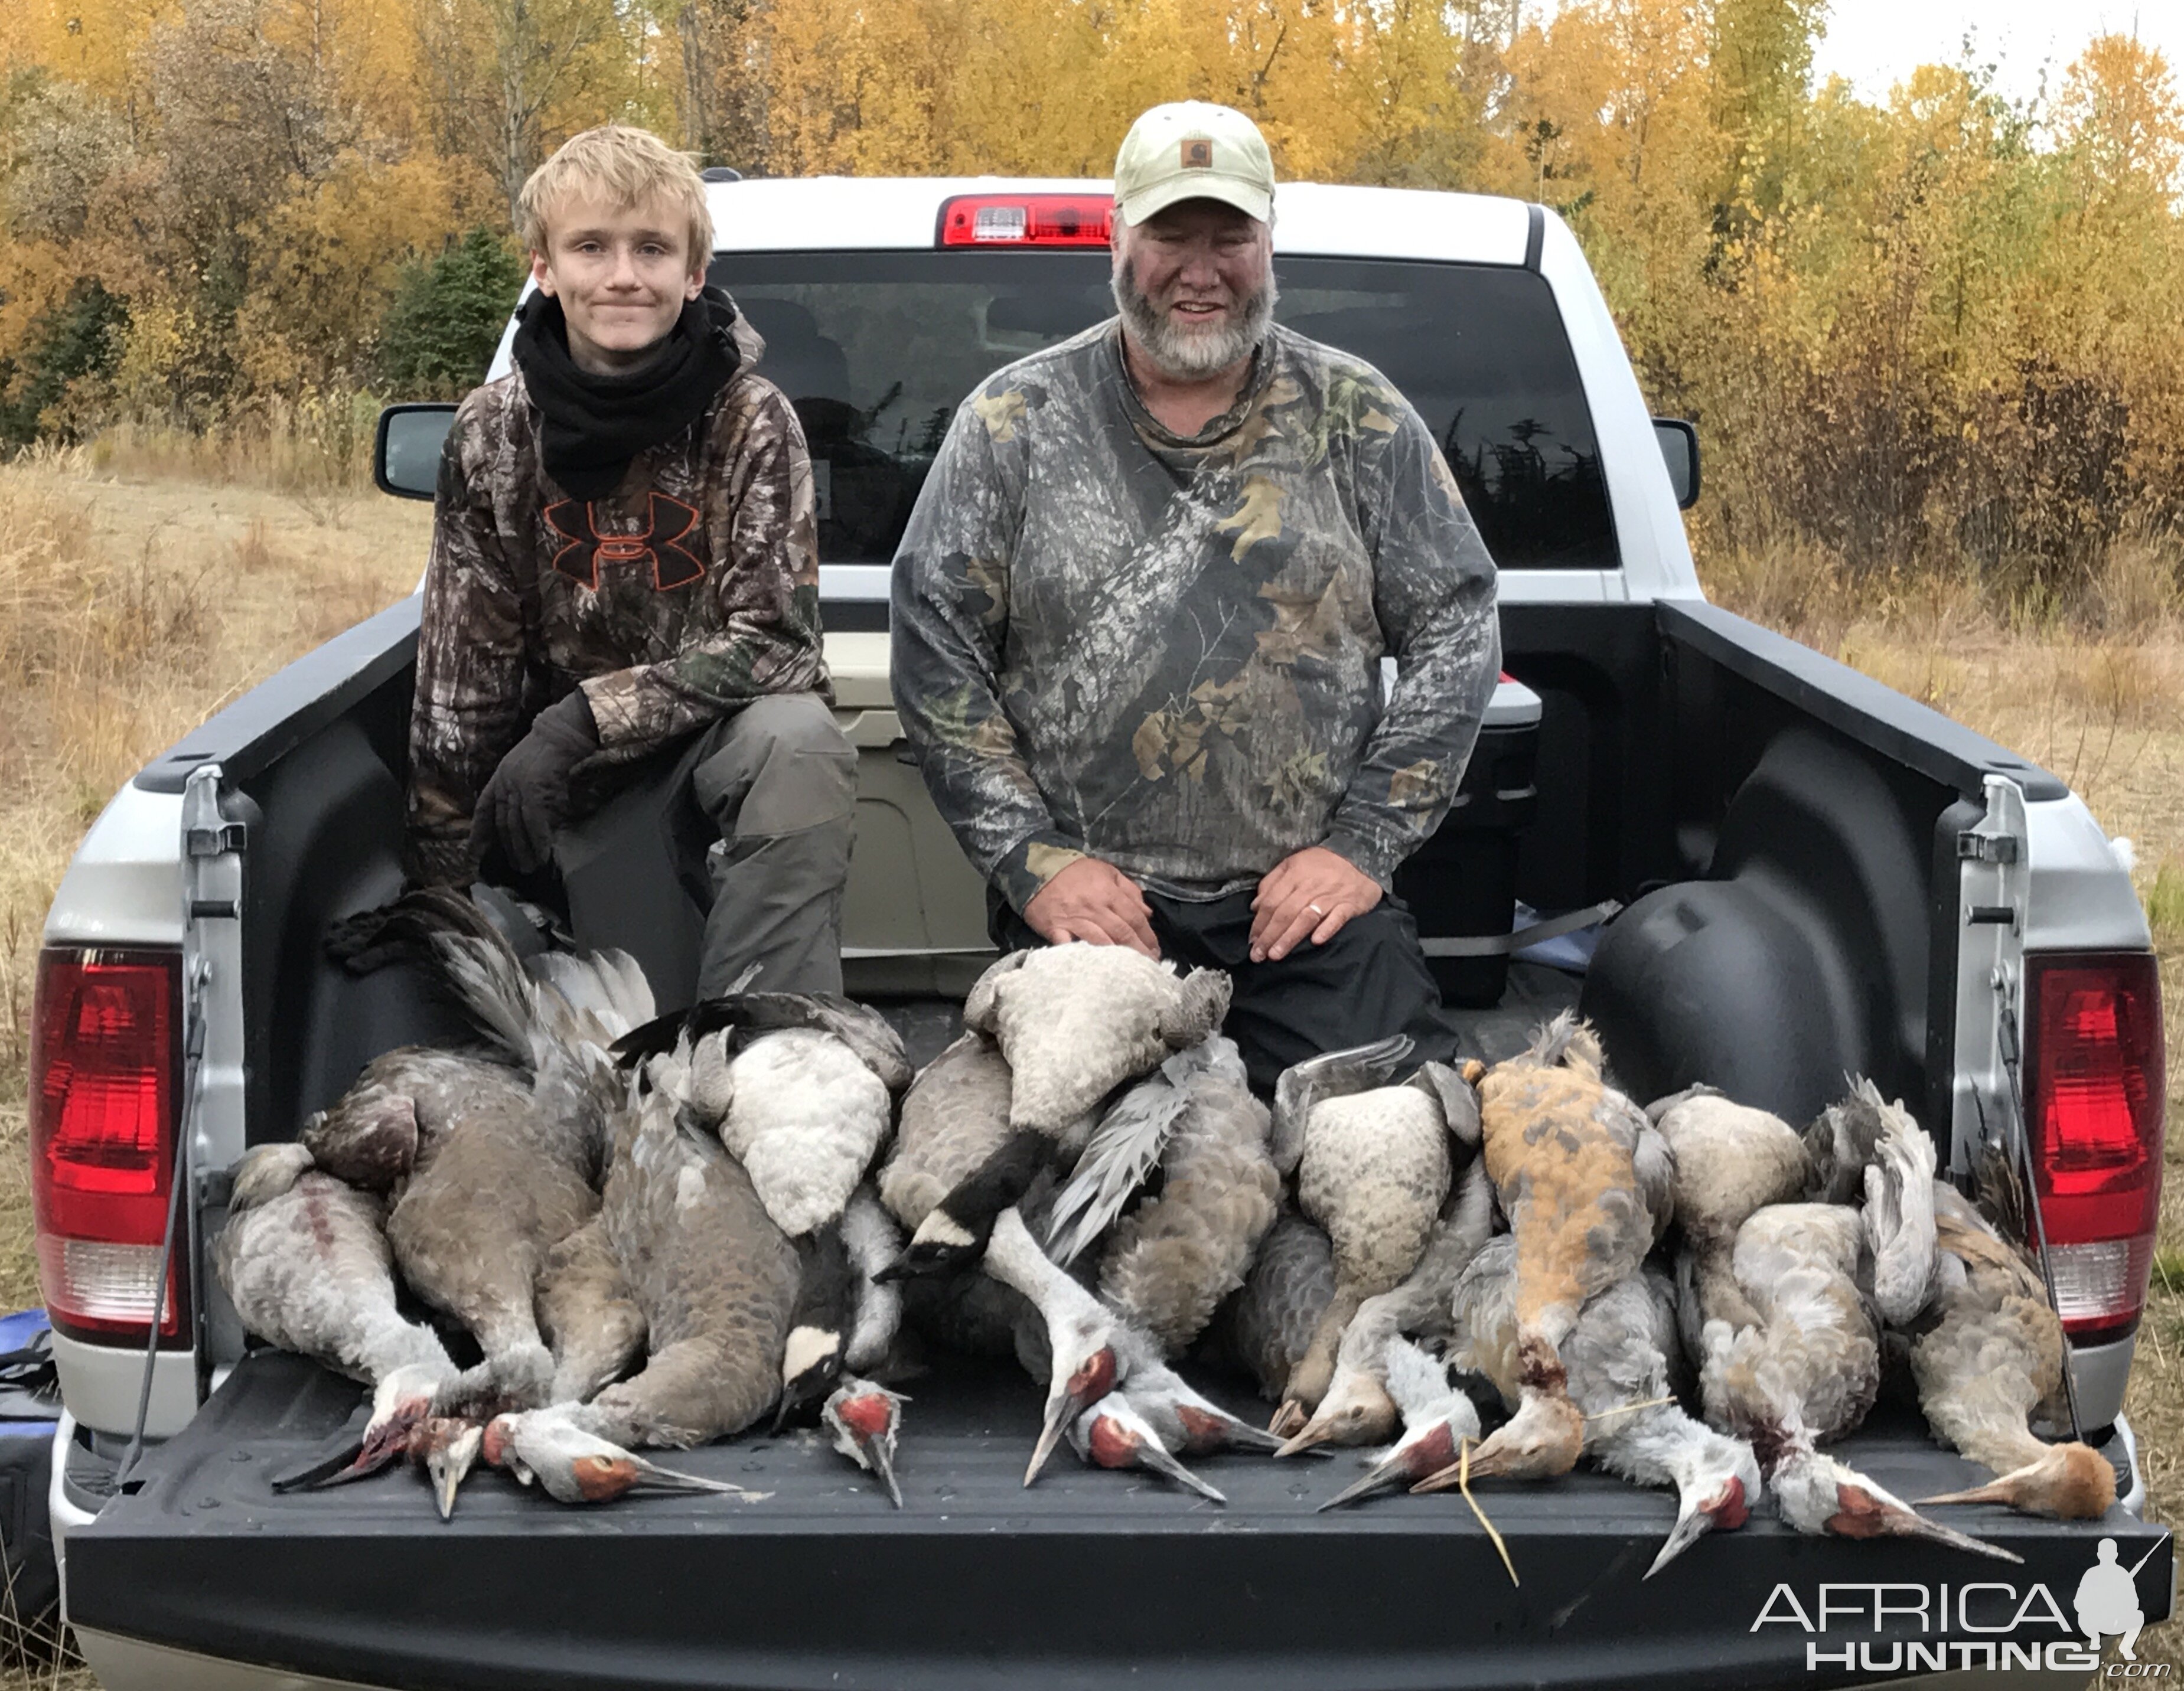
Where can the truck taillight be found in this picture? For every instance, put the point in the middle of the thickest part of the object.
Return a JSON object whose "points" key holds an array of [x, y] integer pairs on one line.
{"points": [[1025, 220], [105, 1077], [2095, 1084]]}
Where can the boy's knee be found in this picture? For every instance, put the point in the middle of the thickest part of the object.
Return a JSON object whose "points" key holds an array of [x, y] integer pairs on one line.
{"points": [[783, 767]]}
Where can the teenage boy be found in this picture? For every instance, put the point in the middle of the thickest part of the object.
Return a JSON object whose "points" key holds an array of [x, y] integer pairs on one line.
{"points": [[625, 568]]}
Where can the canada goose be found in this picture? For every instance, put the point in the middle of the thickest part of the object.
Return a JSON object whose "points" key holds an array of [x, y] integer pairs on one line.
{"points": [[1077, 1021], [1373, 1166]]}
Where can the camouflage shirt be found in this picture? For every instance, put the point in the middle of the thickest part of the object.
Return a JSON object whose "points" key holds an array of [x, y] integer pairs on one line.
{"points": [[1166, 652], [691, 590]]}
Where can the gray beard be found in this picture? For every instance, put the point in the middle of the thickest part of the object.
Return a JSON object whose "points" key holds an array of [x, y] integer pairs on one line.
{"points": [[1180, 355]]}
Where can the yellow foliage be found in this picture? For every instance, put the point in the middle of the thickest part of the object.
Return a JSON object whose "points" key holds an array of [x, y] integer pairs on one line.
{"points": [[1931, 333]]}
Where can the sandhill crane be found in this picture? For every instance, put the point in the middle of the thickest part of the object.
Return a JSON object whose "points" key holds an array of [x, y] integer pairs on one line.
{"points": [[1993, 1357], [1585, 1182]]}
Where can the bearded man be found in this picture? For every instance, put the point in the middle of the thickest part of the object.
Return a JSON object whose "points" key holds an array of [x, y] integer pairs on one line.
{"points": [[1140, 615]]}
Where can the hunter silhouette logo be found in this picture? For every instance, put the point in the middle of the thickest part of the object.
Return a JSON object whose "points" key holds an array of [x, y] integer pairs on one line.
{"points": [[1198, 155], [2107, 1601], [669, 523]]}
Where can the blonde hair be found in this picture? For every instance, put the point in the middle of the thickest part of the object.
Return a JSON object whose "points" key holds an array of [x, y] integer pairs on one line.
{"points": [[625, 166]]}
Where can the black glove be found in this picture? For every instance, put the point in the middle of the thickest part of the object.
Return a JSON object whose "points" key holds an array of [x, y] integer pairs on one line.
{"points": [[527, 799]]}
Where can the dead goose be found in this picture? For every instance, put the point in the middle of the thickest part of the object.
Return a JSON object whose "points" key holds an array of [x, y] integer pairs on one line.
{"points": [[1360, 1407], [1077, 1021], [1374, 1166], [846, 1314], [1167, 1264]]}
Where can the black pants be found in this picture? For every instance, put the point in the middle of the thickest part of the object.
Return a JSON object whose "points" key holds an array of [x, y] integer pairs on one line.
{"points": [[1368, 981]]}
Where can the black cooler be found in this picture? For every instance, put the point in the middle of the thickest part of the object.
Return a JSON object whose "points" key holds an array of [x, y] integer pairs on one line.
{"points": [[1463, 882]]}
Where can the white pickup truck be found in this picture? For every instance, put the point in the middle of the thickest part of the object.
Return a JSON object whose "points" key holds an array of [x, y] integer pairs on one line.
{"points": [[1821, 877]]}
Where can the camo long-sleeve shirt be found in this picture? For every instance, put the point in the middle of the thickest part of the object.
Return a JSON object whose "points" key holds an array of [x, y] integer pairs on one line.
{"points": [[1166, 652], [691, 590]]}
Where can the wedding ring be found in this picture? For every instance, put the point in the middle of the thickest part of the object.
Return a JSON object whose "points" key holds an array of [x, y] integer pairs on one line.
{"points": [[1315, 910]]}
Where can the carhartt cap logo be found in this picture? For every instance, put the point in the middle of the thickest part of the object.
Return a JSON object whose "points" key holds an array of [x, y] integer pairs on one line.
{"points": [[1198, 155]]}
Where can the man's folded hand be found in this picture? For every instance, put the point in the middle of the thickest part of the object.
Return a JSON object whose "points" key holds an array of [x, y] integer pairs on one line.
{"points": [[1094, 902], [1313, 892], [527, 800]]}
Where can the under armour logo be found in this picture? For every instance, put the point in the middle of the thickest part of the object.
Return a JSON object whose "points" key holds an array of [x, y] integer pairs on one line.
{"points": [[668, 524]]}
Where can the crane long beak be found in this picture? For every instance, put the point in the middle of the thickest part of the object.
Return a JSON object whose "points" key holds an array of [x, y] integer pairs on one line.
{"points": [[1995, 1491], [1382, 1474], [1692, 1524], [1062, 1409], [1153, 1457], [1243, 1436], [1310, 1436], [653, 1477], [882, 1461], [1908, 1524]]}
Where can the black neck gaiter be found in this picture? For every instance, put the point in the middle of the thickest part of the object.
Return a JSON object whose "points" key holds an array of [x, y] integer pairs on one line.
{"points": [[595, 424]]}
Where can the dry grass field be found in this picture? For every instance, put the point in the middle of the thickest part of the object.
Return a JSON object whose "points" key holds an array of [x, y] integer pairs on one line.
{"points": [[143, 584]]}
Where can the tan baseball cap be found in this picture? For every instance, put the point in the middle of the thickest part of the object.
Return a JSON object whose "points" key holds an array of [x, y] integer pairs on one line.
{"points": [[1191, 150]]}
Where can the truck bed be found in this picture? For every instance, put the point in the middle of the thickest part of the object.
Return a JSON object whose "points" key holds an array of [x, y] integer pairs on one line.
{"points": [[1088, 1576]]}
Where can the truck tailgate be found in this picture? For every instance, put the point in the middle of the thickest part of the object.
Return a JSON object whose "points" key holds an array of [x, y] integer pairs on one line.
{"points": [[1087, 1577]]}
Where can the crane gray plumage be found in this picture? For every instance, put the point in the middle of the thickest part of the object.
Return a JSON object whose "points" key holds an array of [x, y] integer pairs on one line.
{"points": [[510, 1176], [1808, 1370], [1437, 1419], [1268, 1324], [1373, 1166], [714, 1277], [1359, 1407], [1085, 1363], [955, 1115], [304, 1259], [1167, 1264], [586, 1312], [1729, 1160], [1077, 1021], [1988, 1361], [1619, 1356]]}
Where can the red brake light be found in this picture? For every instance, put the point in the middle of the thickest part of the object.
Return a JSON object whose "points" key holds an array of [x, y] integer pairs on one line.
{"points": [[1026, 220], [105, 1075], [2095, 1083]]}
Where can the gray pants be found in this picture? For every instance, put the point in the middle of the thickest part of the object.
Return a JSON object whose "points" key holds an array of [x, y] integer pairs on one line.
{"points": [[751, 823], [779, 782]]}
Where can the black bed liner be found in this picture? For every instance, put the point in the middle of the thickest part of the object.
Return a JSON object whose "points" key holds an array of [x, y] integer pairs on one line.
{"points": [[1088, 1578]]}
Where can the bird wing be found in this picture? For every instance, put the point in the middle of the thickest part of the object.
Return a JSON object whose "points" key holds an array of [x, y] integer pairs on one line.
{"points": [[1123, 1152], [1459, 1102], [1333, 1073], [1656, 1168], [1899, 1212]]}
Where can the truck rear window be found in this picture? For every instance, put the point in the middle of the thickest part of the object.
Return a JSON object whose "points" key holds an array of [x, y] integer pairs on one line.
{"points": [[877, 350]]}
